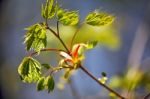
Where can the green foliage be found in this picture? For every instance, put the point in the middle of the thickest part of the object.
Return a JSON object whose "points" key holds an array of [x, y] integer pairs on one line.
{"points": [[81, 47], [36, 37], [99, 19], [104, 78], [104, 74], [67, 17], [29, 70], [49, 83], [91, 44], [40, 84], [46, 83], [48, 11]]}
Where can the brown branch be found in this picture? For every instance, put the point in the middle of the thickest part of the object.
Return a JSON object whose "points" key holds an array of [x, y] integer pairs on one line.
{"points": [[81, 67], [101, 84], [53, 70], [58, 28], [62, 42], [47, 49], [73, 38]]}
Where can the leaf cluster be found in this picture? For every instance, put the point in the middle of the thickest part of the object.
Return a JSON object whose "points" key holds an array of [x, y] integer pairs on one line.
{"points": [[36, 40], [46, 83], [35, 37]]}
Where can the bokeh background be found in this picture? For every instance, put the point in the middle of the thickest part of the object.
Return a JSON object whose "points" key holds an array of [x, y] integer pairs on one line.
{"points": [[128, 48]]}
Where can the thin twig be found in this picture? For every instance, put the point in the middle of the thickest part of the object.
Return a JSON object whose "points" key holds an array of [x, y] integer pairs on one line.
{"points": [[47, 49], [58, 28], [62, 42], [73, 38], [103, 85], [53, 70]]}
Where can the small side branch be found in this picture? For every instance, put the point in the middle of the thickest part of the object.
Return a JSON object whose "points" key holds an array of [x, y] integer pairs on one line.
{"points": [[73, 38], [57, 36], [101, 84], [58, 28], [47, 49]]}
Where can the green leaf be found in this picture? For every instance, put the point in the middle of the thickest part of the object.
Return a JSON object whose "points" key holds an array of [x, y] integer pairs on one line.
{"points": [[99, 19], [46, 66], [48, 11], [36, 37], [24, 67], [67, 74], [40, 84], [67, 17], [49, 83], [104, 74], [91, 44], [29, 70]]}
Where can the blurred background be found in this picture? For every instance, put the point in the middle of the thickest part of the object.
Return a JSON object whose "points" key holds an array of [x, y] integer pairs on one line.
{"points": [[123, 52]]}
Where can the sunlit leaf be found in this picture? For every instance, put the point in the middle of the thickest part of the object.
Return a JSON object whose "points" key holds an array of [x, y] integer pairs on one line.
{"points": [[99, 19], [48, 11], [40, 84], [29, 70], [67, 17], [103, 80], [91, 44], [24, 67], [36, 37]]}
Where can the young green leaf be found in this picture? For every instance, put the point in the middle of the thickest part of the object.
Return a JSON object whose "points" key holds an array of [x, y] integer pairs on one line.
{"points": [[67, 17], [67, 74], [23, 68], [29, 70], [99, 19], [103, 80], [48, 11], [36, 37], [40, 84], [104, 74], [91, 44], [49, 83]]}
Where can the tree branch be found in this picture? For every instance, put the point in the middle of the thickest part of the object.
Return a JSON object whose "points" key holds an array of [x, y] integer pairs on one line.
{"points": [[58, 28], [62, 42], [47, 49], [73, 38], [101, 84]]}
